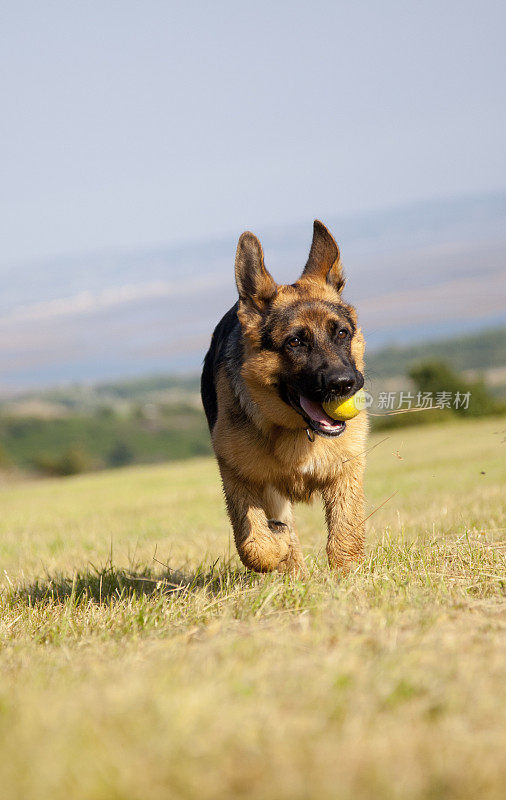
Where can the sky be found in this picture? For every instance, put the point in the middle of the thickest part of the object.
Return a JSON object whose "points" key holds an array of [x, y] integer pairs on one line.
{"points": [[130, 124]]}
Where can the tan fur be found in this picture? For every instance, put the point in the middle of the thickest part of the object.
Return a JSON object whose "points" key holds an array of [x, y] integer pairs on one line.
{"points": [[267, 462]]}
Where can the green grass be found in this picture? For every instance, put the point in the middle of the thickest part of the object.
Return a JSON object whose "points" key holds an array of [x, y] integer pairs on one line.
{"points": [[139, 659], [176, 433], [479, 350]]}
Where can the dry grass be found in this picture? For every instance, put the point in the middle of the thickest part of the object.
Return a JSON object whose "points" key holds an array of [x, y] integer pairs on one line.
{"points": [[191, 678]]}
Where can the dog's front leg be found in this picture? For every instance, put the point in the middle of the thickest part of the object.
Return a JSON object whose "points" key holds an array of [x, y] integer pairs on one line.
{"points": [[263, 544], [344, 512]]}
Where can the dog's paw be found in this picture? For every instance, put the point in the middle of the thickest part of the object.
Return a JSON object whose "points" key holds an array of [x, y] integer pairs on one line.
{"points": [[294, 564], [276, 526], [292, 560]]}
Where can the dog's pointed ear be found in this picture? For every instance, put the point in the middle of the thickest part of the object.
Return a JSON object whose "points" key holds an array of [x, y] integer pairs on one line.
{"points": [[324, 261], [255, 285]]}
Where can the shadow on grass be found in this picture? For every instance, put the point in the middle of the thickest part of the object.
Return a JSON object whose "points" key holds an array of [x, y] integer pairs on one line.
{"points": [[109, 584]]}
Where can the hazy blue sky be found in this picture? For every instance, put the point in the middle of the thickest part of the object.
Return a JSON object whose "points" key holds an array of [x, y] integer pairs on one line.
{"points": [[130, 123]]}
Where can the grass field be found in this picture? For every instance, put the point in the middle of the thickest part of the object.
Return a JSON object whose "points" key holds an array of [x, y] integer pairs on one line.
{"points": [[139, 660]]}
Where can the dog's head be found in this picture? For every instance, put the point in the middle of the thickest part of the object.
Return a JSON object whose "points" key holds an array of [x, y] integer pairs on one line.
{"points": [[303, 346]]}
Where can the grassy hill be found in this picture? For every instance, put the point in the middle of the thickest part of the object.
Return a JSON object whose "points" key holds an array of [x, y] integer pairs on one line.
{"points": [[139, 659], [105, 439], [160, 418], [479, 351]]}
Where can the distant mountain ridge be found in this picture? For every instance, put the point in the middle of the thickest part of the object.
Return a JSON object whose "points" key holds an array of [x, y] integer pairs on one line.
{"points": [[423, 271], [480, 351]]}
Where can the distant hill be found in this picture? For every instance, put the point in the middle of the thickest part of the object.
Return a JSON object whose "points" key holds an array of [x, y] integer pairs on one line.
{"points": [[160, 417], [477, 351], [418, 272], [481, 351]]}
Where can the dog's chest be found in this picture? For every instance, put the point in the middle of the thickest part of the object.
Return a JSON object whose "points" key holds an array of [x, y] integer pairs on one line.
{"points": [[314, 467], [306, 463]]}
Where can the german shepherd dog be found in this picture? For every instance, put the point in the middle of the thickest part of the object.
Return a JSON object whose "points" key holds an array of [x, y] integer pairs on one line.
{"points": [[274, 358]]}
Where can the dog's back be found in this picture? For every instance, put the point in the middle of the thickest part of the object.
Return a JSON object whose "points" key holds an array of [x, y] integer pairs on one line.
{"points": [[226, 328]]}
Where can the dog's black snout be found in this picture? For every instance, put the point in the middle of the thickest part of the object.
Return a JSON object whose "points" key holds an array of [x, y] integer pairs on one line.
{"points": [[346, 386], [342, 383]]}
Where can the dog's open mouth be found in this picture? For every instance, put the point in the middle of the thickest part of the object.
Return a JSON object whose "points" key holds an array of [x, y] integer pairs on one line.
{"points": [[318, 419]]}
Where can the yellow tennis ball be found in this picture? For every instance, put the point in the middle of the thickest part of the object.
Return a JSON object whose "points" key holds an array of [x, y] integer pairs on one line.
{"points": [[347, 409]]}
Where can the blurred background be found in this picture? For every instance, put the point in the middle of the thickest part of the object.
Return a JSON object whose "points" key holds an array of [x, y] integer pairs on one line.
{"points": [[140, 139]]}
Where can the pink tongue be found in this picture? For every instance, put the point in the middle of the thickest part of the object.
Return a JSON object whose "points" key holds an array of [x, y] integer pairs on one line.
{"points": [[316, 413]]}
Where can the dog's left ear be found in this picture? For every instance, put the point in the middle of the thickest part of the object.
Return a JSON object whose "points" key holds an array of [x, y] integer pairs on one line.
{"points": [[255, 284], [324, 262]]}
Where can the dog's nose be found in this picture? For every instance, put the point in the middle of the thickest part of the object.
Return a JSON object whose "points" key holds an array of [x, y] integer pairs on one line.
{"points": [[341, 383]]}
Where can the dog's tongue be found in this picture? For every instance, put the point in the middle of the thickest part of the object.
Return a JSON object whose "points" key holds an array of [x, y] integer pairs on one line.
{"points": [[316, 413]]}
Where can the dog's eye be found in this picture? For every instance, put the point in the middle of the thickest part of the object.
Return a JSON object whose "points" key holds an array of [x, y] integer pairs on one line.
{"points": [[294, 341], [342, 333]]}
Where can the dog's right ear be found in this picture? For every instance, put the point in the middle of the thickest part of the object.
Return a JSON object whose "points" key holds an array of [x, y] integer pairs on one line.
{"points": [[255, 285], [324, 262]]}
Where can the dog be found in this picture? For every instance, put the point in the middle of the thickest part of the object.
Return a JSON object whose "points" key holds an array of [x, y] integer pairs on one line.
{"points": [[275, 356]]}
